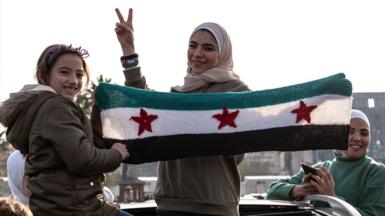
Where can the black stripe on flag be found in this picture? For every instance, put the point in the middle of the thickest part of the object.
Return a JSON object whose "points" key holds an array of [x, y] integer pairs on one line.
{"points": [[293, 138]]}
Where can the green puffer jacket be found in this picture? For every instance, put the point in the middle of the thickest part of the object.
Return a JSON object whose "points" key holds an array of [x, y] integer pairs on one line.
{"points": [[65, 168]]}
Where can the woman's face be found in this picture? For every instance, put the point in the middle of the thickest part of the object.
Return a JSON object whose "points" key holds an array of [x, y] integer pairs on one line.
{"points": [[66, 76], [359, 138], [203, 52]]}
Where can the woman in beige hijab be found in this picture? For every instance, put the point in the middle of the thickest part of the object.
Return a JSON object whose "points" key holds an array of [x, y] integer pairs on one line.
{"points": [[209, 58], [200, 185]]}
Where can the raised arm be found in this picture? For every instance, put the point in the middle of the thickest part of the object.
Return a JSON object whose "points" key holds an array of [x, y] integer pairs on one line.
{"points": [[130, 60]]}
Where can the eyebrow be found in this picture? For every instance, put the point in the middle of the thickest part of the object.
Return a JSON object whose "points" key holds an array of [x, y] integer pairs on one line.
{"points": [[208, 44], [360, 129], [64, 67], [205, 44]]}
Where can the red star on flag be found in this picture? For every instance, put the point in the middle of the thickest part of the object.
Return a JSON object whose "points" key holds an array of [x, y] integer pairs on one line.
{"points": [[303, 112], [226, 118], [144, 121]]}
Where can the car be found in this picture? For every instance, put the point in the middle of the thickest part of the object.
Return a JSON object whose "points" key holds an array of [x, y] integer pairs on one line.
{"points": [[250, 205]]}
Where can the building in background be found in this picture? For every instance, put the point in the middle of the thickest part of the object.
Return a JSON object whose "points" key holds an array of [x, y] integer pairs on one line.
{"points": [[373, 105]]}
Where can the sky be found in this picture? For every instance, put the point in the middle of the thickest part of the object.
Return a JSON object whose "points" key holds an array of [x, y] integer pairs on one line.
{"points": [[276, 43]]}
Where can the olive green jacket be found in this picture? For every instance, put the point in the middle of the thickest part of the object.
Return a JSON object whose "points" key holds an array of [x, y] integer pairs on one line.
{"points": [[65, 168]]}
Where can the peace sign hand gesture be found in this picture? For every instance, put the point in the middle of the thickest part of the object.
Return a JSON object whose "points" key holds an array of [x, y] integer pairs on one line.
{"points": [[125, 32]]}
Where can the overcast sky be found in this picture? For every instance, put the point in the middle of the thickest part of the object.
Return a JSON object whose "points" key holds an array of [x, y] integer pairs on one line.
{"points": [[275, 42]]}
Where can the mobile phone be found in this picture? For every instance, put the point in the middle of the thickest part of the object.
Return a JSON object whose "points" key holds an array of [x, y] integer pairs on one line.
{"points": [[309, 169]]}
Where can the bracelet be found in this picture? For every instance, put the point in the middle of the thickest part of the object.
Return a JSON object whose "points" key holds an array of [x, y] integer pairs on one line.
{"points": [[130, 61], [131, 56], [130, 65]]}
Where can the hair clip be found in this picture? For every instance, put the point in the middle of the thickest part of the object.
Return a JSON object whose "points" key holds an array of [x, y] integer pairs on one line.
{"points": [[55, 51], [82, 52]]}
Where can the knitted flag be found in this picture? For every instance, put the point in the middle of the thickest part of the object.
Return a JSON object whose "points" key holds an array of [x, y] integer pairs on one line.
{"points": [[165, 126]]}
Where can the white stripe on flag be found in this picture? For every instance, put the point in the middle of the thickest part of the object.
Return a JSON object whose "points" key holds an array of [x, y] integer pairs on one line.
{"points": [[331, 110]]}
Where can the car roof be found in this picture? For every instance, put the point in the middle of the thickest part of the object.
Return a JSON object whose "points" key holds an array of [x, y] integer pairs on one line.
{"points": [[250, 206]]}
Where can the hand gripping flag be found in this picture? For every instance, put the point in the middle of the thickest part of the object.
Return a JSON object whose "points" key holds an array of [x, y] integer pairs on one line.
{"points": [[165, 126]]}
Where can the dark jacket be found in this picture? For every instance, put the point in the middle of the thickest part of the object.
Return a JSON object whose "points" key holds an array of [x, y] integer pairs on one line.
{"points": [[65, 168]]}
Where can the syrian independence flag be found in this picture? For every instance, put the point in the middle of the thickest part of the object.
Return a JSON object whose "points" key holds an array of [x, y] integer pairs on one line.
{"points": [[165, 126]]}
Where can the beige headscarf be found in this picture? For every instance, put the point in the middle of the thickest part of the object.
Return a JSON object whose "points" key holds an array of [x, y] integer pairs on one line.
{"points": [[223, 72]]}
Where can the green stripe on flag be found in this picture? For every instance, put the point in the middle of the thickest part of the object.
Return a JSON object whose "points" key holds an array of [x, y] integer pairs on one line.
{"points": [[113, 96]]}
